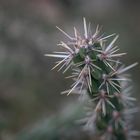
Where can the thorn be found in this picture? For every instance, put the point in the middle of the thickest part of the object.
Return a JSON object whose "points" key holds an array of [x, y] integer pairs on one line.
{"points": [[64, 33]]}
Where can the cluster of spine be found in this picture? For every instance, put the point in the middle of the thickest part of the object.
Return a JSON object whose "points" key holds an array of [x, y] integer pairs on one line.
{"points": [[98, 73]]}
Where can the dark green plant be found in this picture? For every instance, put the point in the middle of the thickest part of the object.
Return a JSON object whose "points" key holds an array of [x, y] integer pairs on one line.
{"points": [[98, 73]]}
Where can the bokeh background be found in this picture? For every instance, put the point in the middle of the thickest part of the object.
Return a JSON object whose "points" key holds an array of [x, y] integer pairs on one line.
{"points": [[31, 107]]}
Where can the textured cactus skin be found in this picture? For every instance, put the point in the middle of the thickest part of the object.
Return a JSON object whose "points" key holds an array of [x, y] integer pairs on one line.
{"points": [[98, 74], [103, 120]]}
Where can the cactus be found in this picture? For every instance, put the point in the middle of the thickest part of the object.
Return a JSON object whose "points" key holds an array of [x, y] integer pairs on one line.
{"points": [[99, 74]]}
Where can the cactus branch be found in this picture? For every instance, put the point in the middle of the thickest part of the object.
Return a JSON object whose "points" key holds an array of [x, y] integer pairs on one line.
{"points": [[98, 73]]}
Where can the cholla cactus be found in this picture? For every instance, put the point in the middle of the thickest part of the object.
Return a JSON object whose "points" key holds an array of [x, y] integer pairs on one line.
{"points": [[98, 73]]}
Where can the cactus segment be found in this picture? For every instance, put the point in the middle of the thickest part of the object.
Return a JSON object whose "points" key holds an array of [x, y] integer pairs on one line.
{"points": [[98, 73]]}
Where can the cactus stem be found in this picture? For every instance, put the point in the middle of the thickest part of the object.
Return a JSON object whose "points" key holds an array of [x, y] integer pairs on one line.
{"points": [[99, 75]]}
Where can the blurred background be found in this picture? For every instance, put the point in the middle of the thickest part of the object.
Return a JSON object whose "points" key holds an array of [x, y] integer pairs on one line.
{"points": [[31, 107]]}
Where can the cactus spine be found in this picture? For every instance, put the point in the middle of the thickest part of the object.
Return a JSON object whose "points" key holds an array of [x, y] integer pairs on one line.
{"points": [[98, 73]]}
